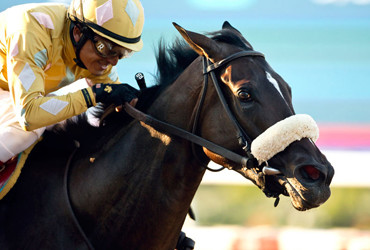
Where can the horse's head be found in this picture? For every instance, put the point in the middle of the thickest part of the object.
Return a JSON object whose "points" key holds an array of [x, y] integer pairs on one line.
{"points": [[261, 103]]}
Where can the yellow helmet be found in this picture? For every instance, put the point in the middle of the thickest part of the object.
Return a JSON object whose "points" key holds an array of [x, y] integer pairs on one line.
{"points": [[120, 21]]}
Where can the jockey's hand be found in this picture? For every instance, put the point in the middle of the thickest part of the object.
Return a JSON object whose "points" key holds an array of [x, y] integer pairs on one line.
{"points": [[116, 94]]}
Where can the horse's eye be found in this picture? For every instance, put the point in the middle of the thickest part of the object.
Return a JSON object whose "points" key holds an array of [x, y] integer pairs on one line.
{"points": [[244, 96]]}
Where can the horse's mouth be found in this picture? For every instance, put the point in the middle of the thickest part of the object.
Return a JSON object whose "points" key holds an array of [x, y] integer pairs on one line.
{"points": [[302, 198], [297, 200]]}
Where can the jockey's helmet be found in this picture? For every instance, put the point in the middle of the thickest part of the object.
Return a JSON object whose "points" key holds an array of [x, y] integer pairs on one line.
{"points": [[120, 21]]}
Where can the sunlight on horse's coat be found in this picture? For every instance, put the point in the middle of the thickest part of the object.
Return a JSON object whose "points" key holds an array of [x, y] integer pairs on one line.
{"points": [[156, 134], [226, 78]]}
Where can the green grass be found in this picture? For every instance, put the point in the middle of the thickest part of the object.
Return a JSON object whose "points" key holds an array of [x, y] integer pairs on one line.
{"points": [[247, 206]]}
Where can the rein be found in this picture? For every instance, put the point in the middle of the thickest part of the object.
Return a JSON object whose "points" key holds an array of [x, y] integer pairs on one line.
{"points": [[171, 129], [68, 197]]}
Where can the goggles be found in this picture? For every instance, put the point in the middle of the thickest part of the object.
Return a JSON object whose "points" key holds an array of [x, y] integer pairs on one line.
{"points": [[105, 48]]}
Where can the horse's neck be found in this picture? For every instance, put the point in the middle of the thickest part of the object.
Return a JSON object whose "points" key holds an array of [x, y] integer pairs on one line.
{"points": [[145, 199], [149, 178], [177, 103]]}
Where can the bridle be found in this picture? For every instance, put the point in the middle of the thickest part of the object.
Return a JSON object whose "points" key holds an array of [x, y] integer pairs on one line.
{"points": [[247, 163], [209, 69], [242, 136]]}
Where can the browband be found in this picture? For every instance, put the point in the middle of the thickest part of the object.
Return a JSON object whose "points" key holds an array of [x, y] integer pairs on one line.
{"points": [[230, 58]]}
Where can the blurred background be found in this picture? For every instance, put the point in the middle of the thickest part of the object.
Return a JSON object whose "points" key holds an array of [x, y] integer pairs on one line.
{"points": [[322, 49]]}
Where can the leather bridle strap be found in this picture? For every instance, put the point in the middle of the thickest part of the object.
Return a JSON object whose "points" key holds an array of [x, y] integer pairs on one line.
{"points": [[173, 130], [228, 59], [242, 136]]}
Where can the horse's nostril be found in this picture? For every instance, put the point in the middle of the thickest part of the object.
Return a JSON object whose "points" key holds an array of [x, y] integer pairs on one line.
{"points": [[310, 172]]}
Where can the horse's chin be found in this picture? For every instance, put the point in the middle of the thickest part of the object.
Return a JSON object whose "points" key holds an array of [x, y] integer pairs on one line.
{"points": [[301, 198], [296, 198]]}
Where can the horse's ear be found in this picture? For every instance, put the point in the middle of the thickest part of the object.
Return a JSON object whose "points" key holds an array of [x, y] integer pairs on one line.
{"points": [[228, 26], [201, 44]]}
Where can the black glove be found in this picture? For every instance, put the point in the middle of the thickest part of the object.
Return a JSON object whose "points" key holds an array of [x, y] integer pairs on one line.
{"points": [[114, 93]]}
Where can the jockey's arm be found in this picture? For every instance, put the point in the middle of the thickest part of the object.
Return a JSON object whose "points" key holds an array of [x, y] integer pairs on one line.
{"points": [[26, 80]]}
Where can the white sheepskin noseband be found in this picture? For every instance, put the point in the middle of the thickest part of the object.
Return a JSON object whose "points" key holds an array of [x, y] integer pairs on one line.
{"points": [[280, 135]]}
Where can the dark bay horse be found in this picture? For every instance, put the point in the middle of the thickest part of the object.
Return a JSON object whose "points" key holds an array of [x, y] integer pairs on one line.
{"points": [[131, 185]]}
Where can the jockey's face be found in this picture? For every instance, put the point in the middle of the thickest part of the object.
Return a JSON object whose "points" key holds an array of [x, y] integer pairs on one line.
{"points": [[96, 64], [93, 59]]}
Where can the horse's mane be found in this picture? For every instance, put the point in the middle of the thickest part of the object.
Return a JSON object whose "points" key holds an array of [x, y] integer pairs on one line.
{"points": [[172, 60]]}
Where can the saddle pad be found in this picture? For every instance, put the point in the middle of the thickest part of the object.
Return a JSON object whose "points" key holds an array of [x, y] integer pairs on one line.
{"points": [[7, 171], [10, 174]]}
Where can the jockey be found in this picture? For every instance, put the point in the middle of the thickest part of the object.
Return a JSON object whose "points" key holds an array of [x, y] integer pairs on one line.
{"points": [[44, 47]]}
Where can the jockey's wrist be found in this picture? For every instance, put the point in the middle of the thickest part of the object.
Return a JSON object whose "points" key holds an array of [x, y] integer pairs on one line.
{"points": [[98, 90], [87, 97]]}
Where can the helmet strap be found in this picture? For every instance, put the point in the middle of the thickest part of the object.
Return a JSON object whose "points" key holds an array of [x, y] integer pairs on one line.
{"points": [[86, 34]]}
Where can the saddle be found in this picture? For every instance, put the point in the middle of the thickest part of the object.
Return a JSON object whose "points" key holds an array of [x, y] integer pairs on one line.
{"points": [[12, 169]]}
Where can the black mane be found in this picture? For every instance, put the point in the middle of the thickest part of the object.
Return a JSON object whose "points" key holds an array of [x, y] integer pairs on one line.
{"points": [[172, 60]]}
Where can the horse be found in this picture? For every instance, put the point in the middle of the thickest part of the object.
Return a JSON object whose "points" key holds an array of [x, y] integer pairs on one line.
{"points": [[128, 184]]}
